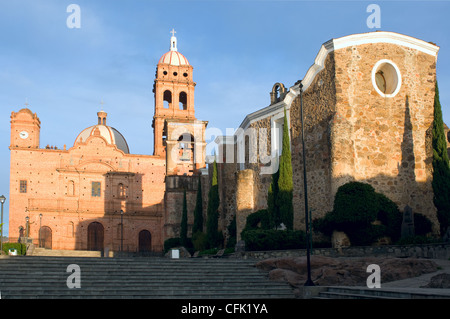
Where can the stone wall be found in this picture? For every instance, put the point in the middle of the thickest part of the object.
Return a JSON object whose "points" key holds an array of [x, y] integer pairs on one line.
{"points": [[318, 111], [173, 199], [385, 140], [435, 251]]}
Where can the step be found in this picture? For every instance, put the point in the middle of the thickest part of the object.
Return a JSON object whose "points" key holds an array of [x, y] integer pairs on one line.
{"points": [[366, 293], [46, 276]]}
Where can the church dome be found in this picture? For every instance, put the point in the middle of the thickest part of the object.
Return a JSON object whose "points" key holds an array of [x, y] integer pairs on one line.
{"points": [[173, 57], [110, 134]]}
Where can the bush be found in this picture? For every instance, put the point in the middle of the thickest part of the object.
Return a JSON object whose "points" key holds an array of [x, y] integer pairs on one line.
{"points": [[21, 248], [356, 207], [199, 241], [258, 220], [232, 231], [260, 239], [422, 225], [171, 243]]}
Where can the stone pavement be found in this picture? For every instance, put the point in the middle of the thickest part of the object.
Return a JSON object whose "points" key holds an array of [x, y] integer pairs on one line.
{"points": [[415, 284]]}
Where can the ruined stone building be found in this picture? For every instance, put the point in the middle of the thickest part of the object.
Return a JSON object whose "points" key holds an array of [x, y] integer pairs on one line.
{"points": [[368, 110], [96, 194]]}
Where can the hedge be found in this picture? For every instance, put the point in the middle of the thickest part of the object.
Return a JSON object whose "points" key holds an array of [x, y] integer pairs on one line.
{"points": [[21, 248], [262, 239]]}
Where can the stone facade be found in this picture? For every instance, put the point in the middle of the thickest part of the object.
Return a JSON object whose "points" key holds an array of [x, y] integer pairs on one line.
{"points": [[66, 192], [95, 195], [368, 110]]}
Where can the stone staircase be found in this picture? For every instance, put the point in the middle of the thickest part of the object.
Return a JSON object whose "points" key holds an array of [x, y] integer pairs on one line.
{"points": [[65, 253], [385, 293], [46, 277]]}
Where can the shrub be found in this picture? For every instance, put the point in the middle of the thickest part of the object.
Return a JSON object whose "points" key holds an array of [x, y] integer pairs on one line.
{"points": [[356, 207], [171, 243], [258, 220], [232, 232], [260, 239], [21, 248], [422, 225], [199, 241]]}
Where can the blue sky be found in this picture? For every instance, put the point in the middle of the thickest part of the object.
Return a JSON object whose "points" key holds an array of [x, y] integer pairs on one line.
{"points": [[239, 49]]}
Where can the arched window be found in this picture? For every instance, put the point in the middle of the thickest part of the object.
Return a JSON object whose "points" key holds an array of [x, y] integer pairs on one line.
{"points": [[121, 191], [71, 188], [186, 147], [183, 101], [167, 99]]}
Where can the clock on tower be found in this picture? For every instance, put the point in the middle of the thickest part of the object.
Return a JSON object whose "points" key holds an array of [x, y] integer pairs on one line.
{"points": [[25, 129]]}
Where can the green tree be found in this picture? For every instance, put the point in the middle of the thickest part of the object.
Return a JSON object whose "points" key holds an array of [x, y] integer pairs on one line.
{"points": [[184, 226], [285, 183], [441, 169], [272, 207], [198, 211], [212, 221]]}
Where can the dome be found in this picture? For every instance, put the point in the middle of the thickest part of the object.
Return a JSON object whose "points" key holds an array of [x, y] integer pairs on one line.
{"points": [[174, 58], [110, 134]]}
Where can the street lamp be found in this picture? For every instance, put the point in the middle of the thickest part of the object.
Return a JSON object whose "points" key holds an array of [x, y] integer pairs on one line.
{"points": [[2, 200], [309, 281]]}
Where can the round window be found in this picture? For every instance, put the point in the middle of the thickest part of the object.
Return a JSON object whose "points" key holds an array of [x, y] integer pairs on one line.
{"points": [[386, 78]]}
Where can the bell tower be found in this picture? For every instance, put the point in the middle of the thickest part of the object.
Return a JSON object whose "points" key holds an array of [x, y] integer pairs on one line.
{"points": [[178, 135], [25, 129]]}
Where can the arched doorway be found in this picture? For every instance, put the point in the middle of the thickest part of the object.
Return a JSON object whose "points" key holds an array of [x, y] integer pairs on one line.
{"points": [[145, 241], [45, 237], [95, 236]]}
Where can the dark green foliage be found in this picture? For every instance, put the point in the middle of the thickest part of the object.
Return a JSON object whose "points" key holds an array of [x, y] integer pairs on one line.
{"points": [[184, 225], [232, 232], [390, 216], [198, 211], [171, 242], [212, 222], [258, 220], [422, 225], [441, 170], [21, 248], [356, 207], [199, 241], [272, 207], [285, 183], [260, 239]]}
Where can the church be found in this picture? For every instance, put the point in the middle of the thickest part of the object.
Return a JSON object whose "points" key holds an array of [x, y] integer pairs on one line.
{"points": [[96, 195], [368, 107]]}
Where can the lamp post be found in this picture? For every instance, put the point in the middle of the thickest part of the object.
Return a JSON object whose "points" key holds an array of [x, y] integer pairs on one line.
{"points": [[121, 230], [2, 200], [309, 281]]}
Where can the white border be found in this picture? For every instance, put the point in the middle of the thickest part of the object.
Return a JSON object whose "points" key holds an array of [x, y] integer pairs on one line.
{"points": [[399, 76]]}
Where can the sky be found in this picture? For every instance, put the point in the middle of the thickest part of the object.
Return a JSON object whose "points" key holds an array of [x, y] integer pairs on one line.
{"points": [[238, 49]]}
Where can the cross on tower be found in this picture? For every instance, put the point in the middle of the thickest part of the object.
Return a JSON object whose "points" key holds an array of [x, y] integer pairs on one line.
{"points": [[173, 32]]}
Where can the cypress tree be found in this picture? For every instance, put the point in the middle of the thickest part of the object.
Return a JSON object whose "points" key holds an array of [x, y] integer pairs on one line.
{"points": [[272, 207], [441, 169], [183, 231], [212, 221], [198, 212], [285, 183]]}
